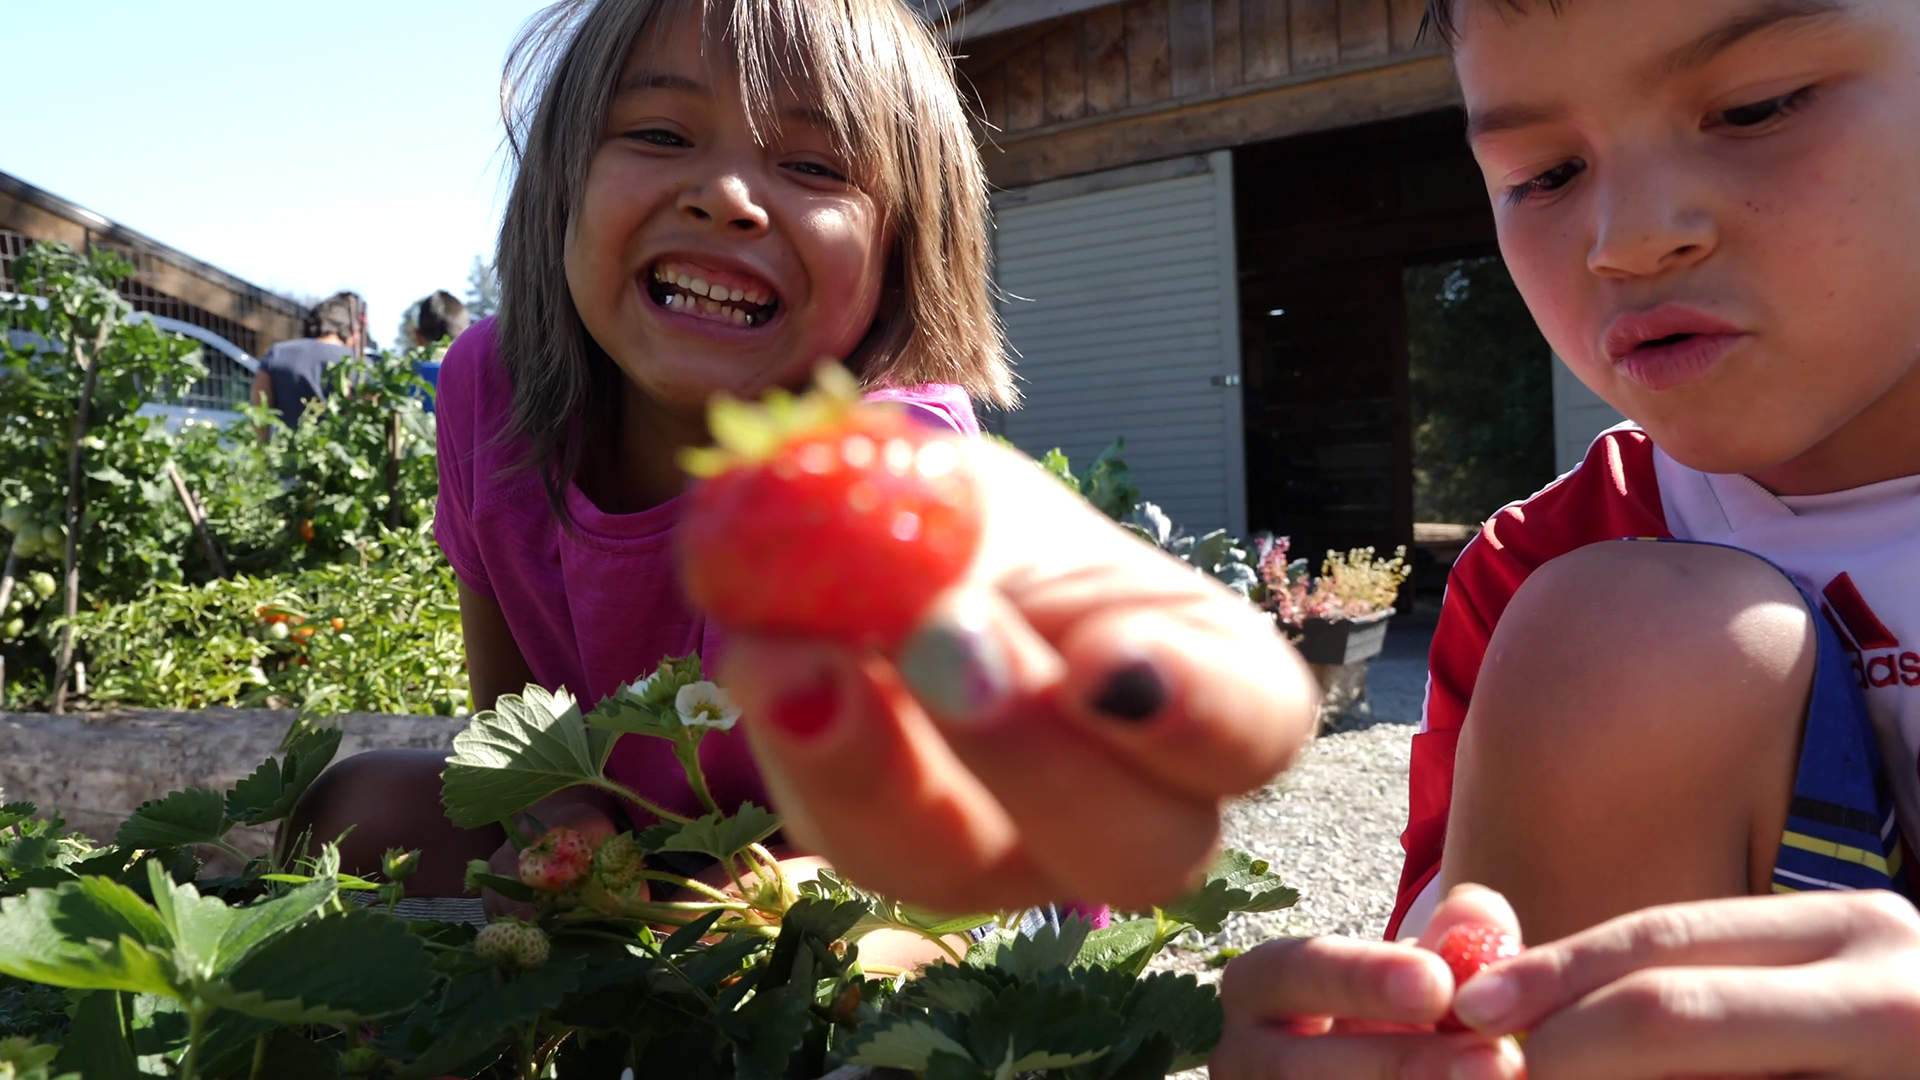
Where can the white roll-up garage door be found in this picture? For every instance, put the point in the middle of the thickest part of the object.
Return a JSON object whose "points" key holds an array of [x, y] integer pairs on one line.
{"points": [[1122, 305]]}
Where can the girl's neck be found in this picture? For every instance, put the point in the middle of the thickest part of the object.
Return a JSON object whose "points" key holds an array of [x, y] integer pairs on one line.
{"points": [[632, 467]]}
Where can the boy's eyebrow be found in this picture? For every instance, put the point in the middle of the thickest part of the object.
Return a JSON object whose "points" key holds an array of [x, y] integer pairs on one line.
{"points": [[648, 80], [1762, 17]]}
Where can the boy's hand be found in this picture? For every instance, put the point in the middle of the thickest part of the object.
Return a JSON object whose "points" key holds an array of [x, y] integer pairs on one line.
{"points": [[1357, 1010], [1814, 984], [1063, 725]]}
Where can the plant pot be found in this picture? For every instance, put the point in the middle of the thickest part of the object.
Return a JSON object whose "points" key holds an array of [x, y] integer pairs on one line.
{"points": [[1343, 641]]}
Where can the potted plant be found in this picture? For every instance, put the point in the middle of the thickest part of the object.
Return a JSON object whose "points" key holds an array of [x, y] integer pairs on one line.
{"points": [[1338, 618]]}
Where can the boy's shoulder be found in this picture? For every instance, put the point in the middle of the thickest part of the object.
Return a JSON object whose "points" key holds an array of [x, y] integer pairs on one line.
{"points": [[1613, 494]]}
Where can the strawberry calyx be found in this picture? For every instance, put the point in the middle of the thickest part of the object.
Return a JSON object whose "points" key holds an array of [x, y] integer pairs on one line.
{"points": [[748, 433]]}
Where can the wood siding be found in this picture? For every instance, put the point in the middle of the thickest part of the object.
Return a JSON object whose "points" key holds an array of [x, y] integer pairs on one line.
{"points": [[1147, 79]]}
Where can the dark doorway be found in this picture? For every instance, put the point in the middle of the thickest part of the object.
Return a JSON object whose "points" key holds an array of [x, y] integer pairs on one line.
{"points": [[1332, 229]]}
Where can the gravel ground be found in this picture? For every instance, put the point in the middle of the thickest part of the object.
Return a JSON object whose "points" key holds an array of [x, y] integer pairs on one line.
{"points": [[1331, 825]]}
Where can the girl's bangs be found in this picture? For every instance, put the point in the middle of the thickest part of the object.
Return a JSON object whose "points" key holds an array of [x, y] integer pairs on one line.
{"points": [[830, 61]]}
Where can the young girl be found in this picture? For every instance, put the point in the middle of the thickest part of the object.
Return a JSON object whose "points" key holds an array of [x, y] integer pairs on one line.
{"points": [[710, 198]]}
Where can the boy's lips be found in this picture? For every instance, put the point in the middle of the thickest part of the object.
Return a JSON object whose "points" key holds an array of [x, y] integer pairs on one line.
{"points": [[1670, 346]]}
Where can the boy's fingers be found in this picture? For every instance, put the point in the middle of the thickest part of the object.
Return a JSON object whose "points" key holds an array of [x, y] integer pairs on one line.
{"points": [[862, 778], [1472, 904], [1339, 977], [1748, 931], [1709, 1022], [1255, 1052]]}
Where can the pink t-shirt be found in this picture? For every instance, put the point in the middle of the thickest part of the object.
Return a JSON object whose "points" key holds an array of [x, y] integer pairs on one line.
{"points": [[597, 606]]}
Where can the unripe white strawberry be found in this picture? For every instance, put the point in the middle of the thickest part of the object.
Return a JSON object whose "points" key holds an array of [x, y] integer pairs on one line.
{"points": [[557, 861], [512, 944], [617, 863]]}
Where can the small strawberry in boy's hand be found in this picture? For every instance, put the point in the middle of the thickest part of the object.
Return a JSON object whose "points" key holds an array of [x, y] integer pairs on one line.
{"points": [[822, 516], [1469, 949], [556, 861]]}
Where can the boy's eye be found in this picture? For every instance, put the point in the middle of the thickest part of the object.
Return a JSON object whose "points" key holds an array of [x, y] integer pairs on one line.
{"points": [[656, 137], [1761, 112], [1552, 180]]}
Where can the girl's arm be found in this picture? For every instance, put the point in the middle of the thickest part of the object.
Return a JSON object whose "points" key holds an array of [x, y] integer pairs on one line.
{"points": [[495, 667], [494, 663]]}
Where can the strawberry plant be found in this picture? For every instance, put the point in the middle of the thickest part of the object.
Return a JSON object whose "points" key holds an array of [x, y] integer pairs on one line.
{"points": [[125, 960]]}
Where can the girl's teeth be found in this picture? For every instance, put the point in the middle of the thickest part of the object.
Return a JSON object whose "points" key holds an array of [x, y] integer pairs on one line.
{"points": [[698, 286]]}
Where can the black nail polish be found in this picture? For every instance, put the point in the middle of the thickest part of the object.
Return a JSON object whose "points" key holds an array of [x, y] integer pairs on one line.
{"points": [[1134, 694]]}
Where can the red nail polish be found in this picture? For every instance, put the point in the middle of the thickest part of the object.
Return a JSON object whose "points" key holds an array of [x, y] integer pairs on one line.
{"points": [[805, 713]]}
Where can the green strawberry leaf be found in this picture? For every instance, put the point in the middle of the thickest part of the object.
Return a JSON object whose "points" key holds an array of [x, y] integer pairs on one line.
{"points": [[357, 966], [883, 913], [524, 749], [721, 836], [273, 789], [95, 1045], [1126, 946], [771, 1025], [196, 923], [1179, 1008], [1238, 882], [88, 934], [1045, 1025], [258, 923], [181, 819], [1029, 955], [898, 1042], [955, 989], [479, 1010]]}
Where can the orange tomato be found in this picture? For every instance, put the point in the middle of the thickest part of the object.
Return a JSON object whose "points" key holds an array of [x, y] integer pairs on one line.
{"points": [[306, 532], [339, 623]]}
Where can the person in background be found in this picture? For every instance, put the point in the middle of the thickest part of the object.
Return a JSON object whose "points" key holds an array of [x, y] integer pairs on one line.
{"points": [[293, 373], [437, 321]]}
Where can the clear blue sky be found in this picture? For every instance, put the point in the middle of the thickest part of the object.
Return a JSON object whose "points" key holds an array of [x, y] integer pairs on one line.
{"points": [[305, 147]]}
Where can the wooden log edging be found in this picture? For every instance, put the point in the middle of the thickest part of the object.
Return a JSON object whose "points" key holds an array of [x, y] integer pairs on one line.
{"points": [[95, 769]]}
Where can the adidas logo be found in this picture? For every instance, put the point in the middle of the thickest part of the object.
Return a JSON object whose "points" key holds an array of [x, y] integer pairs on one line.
{"points": [[1877, 657]]}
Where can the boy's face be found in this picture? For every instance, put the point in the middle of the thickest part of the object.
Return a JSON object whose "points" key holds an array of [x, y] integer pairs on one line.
{"points": [[1713, 210]]}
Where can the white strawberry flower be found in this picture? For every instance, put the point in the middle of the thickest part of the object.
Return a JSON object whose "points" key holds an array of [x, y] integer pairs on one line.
{"points": [[704, 705]]}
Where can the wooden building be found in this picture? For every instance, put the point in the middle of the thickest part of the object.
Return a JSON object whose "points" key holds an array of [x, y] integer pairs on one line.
{"points": [[234, 320], [1205, 211]]}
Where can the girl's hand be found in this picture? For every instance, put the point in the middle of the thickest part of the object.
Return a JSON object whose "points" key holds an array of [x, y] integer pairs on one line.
{"points": [[1063, 726], [584, 812], [1813, 984], [1357, 1009]]}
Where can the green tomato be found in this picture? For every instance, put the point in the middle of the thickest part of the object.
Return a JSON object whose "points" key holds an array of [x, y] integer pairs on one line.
{"points": [[26, 545], [54, 536], [15, 517], [43, 583], [278, 631], [13, 629]]}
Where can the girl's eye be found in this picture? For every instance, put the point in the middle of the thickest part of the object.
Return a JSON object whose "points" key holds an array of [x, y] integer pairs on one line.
{"points": [[1550, 181], [817, 168], [657, 137], [1760, 113]]}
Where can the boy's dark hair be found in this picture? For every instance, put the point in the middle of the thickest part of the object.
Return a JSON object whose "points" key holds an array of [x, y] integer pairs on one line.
{"points": [[439, 316], [339, 315], [1439, 17]]}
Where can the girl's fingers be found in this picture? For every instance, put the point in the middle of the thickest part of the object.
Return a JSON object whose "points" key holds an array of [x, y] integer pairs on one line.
{"points": [[862, 777], [1801, 1021], [1330, 976], [1172, 672], [1744, 932], [1256, 1052], [1475, 904]]}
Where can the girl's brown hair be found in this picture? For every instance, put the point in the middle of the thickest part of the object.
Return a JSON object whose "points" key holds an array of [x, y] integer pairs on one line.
{"points": [[885, 90]]}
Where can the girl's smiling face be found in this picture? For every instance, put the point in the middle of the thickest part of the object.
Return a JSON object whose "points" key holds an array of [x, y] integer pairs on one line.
{"points": [[703, 259], [1713, 210]]}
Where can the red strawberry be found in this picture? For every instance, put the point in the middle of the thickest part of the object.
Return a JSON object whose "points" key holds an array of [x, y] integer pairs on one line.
{"points": [[553, 863], [826, 517], [1469, 949]]}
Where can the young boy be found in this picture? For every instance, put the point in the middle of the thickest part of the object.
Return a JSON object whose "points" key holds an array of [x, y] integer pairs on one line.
{"points": [[1713, 210]]}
